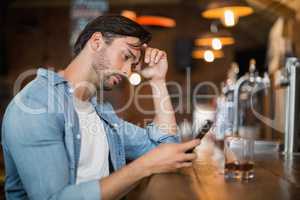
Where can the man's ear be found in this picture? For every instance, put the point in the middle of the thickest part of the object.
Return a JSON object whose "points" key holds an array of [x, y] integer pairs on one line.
{"points": [[96, 41]]}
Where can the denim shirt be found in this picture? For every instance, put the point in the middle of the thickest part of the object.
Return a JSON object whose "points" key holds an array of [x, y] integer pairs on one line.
{"points": [[41, 141]]}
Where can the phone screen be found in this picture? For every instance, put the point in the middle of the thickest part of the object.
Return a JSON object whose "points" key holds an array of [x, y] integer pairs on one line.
{"points": [[205, 128]]}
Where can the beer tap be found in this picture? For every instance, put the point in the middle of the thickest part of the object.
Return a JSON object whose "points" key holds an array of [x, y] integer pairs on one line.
{"points": [[254, 83]]}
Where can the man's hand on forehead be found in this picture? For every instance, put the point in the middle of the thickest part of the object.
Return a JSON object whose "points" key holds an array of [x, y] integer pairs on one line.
{"points": [[152, 56], [157, 63]]}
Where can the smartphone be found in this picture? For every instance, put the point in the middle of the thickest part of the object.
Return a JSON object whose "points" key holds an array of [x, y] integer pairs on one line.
{"points": [[205, 128]]}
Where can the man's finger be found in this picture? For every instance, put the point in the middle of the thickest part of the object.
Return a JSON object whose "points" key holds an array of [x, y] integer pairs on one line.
{"points": [[147, 55], [185, 157], [190, 156], [159, 56], [190, 145], [154, 53], [184, 164]]}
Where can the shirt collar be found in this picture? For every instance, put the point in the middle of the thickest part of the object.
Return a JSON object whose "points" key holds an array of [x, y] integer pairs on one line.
{"points": [[53, 77]]}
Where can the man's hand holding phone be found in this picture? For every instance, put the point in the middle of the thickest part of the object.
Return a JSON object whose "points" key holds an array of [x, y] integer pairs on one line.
{"points": [[169, 157]]}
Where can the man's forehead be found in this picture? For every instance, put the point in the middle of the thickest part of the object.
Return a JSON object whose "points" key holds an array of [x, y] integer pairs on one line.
{"points": [[133, 43], [132, 40]]}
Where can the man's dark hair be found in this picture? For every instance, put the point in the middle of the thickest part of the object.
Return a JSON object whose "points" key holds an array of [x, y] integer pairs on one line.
{"points": [[111, 26]]}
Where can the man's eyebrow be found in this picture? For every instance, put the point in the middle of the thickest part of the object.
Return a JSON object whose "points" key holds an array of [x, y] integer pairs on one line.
{"points": [[135, 45]]}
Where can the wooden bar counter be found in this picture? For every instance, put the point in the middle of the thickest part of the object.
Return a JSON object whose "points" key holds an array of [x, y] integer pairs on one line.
{"points": [[277, 178]]}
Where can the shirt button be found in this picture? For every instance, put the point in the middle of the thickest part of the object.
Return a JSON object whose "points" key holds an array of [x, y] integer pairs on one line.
{"points": [[71, 90], [78, 136], [115, 125]]}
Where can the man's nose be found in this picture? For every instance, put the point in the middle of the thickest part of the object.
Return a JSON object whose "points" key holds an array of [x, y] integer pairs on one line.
{"points": [[127, 70]]}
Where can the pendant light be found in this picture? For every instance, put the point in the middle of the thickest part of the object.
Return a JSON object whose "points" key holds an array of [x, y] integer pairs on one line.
{"points": [[150, 20], [228, 11], [215, 39], [208, 55]]}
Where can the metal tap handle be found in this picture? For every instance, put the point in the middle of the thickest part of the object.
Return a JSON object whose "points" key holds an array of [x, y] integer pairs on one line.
{"points": [[252, 66]]}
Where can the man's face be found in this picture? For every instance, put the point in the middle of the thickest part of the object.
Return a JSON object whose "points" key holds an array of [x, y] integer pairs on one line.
{"points": [[115, 61]]}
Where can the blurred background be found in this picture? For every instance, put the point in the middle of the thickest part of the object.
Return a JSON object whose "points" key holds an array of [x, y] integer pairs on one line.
{"points": [[35, 33]]}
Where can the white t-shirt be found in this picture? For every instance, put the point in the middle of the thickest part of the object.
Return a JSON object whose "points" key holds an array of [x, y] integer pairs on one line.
{"points": [[94, 152]]}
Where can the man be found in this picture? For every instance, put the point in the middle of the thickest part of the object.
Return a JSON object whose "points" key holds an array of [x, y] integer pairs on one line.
{"points": [[59, 143]]}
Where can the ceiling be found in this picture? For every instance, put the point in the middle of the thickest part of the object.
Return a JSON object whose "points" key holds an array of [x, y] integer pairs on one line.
{"points": [[292, 4], [251, 31]]}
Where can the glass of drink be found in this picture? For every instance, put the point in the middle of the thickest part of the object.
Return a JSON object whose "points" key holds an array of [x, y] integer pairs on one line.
{"points": [[239, 158]]}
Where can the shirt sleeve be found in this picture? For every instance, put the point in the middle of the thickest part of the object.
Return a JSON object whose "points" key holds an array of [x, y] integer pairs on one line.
{"points": [[35, 154], [139, 140]]}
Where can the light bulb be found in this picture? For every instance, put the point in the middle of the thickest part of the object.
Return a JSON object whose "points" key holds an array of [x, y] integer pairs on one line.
{"points": [[209, 56], [216, 44], [135, 79], [229, 18]]}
